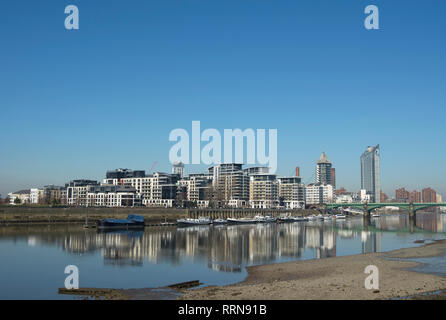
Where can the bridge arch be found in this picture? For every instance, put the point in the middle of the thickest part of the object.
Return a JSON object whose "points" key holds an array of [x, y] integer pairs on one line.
{"points": [[428, 205], [412, 208]]}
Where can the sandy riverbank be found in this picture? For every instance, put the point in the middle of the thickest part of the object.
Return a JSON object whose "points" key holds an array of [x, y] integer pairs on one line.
{"points": [[322, 279], [332, 278]]}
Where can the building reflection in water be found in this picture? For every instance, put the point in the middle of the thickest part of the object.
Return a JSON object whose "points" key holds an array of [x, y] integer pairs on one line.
{"points": [[226, 248], [371, 241]]}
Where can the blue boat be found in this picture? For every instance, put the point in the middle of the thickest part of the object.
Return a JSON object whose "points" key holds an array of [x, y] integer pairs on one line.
{"points": [[132, 221]]}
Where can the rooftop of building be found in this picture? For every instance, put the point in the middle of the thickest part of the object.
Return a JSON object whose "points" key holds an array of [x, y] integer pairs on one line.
{"points": [[25, 191], [323, 159], [372, 148]]}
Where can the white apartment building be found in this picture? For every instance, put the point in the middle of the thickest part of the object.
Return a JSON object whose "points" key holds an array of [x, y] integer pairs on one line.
{"points": [[154, 190], [365, 196], [111, 199], [263, 191], [22, 195], [344, 198], [291, 192], [234, 203], [178, 168], [230, 182], [111, 196], [77, 196], [318, 194], [165, 203], [197, 182], [35, 195], [77, 191]]}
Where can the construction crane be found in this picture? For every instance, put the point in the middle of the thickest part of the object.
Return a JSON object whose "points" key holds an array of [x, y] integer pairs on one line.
{"points": [[153, 166], [312, 179]]}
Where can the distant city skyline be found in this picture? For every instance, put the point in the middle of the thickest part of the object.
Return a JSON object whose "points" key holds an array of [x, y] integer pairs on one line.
{"points": [[77, 103], [182, 170]]}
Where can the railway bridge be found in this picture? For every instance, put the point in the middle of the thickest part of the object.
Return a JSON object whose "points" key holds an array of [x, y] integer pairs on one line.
{"points": [[411, 207]]}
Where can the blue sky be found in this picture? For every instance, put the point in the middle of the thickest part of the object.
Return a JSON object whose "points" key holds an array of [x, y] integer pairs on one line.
{"points": [[76, 103]]}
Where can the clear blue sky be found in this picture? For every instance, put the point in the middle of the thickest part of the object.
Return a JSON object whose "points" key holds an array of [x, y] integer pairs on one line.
{"points": [[76, 103]]}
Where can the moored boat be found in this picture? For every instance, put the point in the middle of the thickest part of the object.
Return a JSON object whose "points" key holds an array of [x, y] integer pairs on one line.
{"points": [[264, 219], [300, 219], [219, 221], [340, 216], [285, 218], [270, 219], [241, 220], [289, 218], [133, 221], [201, 221]]}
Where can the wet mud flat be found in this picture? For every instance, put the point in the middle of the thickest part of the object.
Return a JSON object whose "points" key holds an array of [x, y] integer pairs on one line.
{"points": [[323, 279], [170, 292], [337, 278]]}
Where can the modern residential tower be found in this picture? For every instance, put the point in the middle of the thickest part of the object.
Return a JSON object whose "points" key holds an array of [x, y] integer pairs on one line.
{"points": [[370, 173], [178, 168], [323, 170]]}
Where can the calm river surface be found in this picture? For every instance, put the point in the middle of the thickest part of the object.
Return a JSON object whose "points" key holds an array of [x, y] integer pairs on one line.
{"points": [[33, 258]]}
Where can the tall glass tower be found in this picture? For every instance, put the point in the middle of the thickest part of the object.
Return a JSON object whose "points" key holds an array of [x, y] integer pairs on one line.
{"points": [[323, 170], [370, 178]]}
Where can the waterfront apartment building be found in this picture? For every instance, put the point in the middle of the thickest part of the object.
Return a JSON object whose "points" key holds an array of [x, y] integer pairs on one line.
{"points": [[365, 196], [230, 182], [291, 192], [415, 196], [256, 170], [316, 194], [118, 175], [383, 197], [77, 191], [401, 195], [238, 203], [159, 189], [163, 185], [333, 177], [19, 197], [36, 196], [54, 194], [263, 191], [340, 191], [109, 195], [323, 170], [344, 198], [197, 186], [178, 168], [429, 195], [370, 172], [224, 168], [194, 188]]}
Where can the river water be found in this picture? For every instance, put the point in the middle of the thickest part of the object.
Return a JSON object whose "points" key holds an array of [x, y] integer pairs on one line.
{"points": [[33, 258]]}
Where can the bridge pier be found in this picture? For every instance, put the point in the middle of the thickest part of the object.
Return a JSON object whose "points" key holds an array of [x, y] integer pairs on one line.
{"points": [[412, 223], [412, 217], [366, 211], [366, 222], [411, 210]]}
